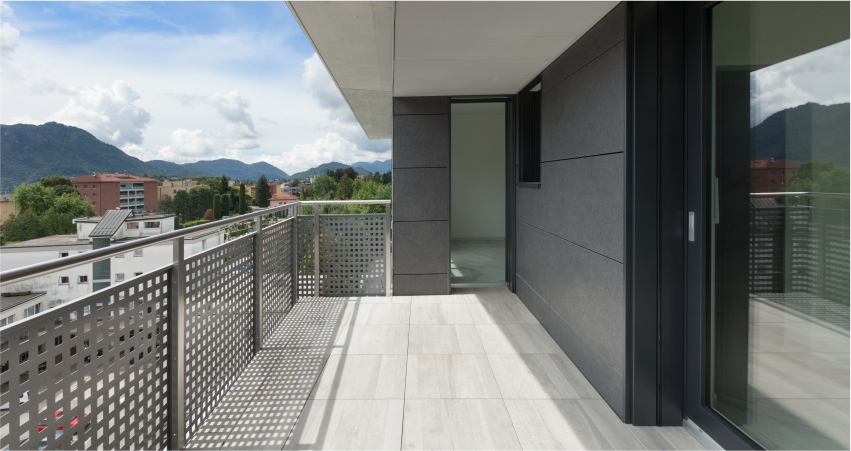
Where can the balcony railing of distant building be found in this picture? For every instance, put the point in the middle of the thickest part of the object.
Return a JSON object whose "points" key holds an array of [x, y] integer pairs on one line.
{"points": [[799, 243], [143, 363]]}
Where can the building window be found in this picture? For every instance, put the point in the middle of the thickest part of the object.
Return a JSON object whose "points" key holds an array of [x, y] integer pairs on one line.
{"points": [[82, 279], [63, 254], [94, 203], [783, 182], [772, 172], [529, 126], [119, 256], [792, 173], [76, 186], [137, 274], [30, 311], [119, 276], [137, 252], [64, 280], [85, 186], [85, 196], [7, 320], [94, 194], [132, 226], [152, 225], [782, 172], [94, 187], [772, 182]]}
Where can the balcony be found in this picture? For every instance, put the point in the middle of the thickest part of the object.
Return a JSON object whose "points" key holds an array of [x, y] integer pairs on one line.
{"points": [[289, 337]]}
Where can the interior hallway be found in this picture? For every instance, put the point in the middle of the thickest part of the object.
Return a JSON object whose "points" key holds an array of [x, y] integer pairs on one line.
{"points": [[471, 370]]}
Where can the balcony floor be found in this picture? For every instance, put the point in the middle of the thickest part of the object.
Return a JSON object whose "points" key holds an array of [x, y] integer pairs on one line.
{"points": [[472, 370]]}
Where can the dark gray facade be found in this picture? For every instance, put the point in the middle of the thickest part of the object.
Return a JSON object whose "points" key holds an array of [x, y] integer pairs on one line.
{"points": [[421, 195], [570, 232]]}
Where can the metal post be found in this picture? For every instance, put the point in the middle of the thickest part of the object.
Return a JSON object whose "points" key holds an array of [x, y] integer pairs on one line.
{"points": [[177, 349], [316, 209], [258, 284], [294, 290], [388, 264]]}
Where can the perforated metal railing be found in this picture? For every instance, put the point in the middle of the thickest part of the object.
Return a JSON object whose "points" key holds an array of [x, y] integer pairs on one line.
{"points": [[144, 363]]}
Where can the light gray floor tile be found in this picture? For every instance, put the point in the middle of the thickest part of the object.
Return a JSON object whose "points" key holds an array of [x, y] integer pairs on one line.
{"points": [[490, 294], [348, 424], [378, 314], [501, 313], [530, 376], [517, 339], [352, 376], [554, 424], [440, 299], [444, 339], [617, 433], [440, 314], [384, 339], [665, 438], [458, 424], [450, 376]]}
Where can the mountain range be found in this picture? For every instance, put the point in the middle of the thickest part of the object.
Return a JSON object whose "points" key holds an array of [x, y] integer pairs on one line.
{"points": [[805, 132], [30, 152]]}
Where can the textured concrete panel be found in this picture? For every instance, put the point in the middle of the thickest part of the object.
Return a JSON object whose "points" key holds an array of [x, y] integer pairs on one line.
{"points": [[420, 285], [586, 114], [584, 288], [605, 378], [580, 200], [421, 141], [421, 194], [610, 30], [420, 105], [421, 247]]}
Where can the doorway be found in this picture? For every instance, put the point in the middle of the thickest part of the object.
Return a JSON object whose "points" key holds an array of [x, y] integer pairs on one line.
{"points": [[478, 192]]}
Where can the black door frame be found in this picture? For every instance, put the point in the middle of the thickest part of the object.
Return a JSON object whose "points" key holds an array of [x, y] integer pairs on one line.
{"points": [[699, 200], [510, 178]]}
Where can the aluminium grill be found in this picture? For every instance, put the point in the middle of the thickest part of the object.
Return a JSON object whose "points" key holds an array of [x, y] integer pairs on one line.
{"points": [[277, 240], [306, 268], [91, 373], [219, 324], [352, 255]]}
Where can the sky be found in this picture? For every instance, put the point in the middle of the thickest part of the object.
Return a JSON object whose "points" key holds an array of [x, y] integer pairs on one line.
{"points": [[179, 81], [820, 76]]}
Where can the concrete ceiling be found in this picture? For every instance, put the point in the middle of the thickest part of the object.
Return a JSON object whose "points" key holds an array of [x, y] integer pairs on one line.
{"points": [[472, 48], [379, 50]]}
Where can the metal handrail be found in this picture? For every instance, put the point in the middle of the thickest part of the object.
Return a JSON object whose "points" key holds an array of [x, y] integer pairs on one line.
{"points": [[800, 193], [40, 269]]}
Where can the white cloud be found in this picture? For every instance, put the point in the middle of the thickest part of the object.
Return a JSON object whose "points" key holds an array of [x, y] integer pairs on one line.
{"points": [[108, 113], [188, 146], [239, 133], [331, 147], [820, 76], [8, 38]]}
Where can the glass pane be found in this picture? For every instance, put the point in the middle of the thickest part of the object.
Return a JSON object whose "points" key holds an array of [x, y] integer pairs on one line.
{"points": [[780, 213], [478, 192]]}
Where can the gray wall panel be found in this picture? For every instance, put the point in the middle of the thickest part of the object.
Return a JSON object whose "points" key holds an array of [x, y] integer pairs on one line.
{"points": [[421, 247], [420, 105], [585, 114], [610, 30], [580, 200], [420, 284], [585, 288], [421, 141], [421, 194]]}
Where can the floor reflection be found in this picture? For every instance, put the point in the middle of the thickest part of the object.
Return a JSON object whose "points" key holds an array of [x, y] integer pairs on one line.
{"points": [[478, 260]]}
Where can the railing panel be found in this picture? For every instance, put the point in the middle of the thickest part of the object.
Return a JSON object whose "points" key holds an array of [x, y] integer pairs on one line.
{"points": [[91, 373], [219, 324], [277, 241], [352, 258], [305, 256]]}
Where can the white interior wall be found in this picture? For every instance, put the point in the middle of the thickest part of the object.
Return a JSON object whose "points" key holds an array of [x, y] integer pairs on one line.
{"points": [[478, 170]]}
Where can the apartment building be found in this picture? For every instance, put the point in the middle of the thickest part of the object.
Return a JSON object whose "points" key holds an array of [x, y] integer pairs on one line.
{"points": [[118, 191], [769, 175], [7, 208], [169, 187]]}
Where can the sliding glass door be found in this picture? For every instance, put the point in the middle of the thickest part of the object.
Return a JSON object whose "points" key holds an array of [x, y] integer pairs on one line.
{"points": [[777, 346]]}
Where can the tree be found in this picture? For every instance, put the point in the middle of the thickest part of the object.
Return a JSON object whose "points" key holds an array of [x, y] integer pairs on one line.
{"points": [[71, 204], [324, 185], [223, 185], [243, 206], [263, 192], [217, 206], [294, 183], [53, 222], [201, 198], [35, 198], [183, 206], [387, 178], [22, 226], [59, 184], [165, 204], [345, 188], [209, 216], [226, 206]]}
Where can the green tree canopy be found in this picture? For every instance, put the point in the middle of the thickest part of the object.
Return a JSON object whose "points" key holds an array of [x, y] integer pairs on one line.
{"points": [[183, 206], [71, 204], [35, 198], [243, 205], [263, 192], [223, 185]]}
